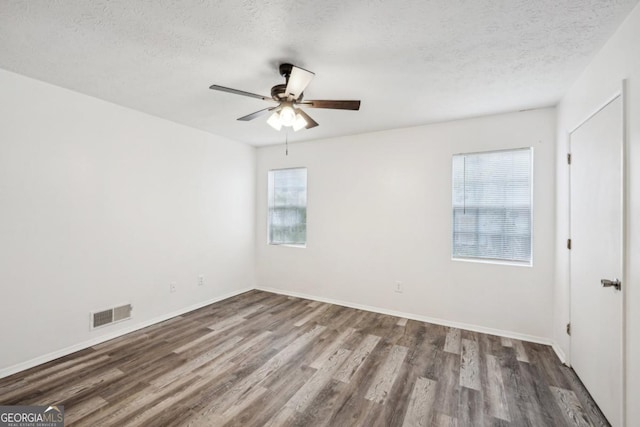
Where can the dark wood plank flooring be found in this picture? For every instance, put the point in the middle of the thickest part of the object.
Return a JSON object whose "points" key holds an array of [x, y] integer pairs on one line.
{"points": [[265, 359]]}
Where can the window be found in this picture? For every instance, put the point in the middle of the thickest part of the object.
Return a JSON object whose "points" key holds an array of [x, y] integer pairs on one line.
{"points": [[287, 206], [492, 206]]}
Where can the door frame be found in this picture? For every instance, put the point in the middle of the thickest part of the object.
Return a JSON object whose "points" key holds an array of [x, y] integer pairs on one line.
{"points": [[624, 183]]}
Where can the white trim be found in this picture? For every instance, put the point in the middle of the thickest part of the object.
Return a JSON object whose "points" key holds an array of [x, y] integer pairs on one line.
{"points": [[420, 318], [602, 107], [569, 258], [626, 262], [5, 372], [559, 352], [496, 261], [289, 245]]}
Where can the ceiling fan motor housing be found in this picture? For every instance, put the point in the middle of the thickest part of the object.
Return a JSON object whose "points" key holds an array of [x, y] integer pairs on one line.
{"points": [[278, 92]]}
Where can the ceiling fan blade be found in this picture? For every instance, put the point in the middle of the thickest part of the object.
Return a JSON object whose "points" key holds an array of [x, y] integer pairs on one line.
{"points": [[256, 114], [310, 122], [240, 92], [298, 82], [336, 105]]}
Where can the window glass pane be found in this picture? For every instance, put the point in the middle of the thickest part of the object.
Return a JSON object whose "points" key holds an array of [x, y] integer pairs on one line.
{"points": [[287, 206], [492, 211]]}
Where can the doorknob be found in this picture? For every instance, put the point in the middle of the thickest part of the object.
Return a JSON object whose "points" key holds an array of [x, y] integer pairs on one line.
{"points": [[609, 283]]}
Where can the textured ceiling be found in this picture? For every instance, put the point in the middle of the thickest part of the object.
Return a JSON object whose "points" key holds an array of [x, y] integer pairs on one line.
{"points": [[410, 62]]}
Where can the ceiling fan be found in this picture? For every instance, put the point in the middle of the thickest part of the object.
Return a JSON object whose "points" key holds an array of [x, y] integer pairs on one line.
{"points": [[289, 97]]}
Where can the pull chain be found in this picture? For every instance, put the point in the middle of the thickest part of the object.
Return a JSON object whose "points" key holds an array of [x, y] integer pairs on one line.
{"points": [[286, 143]]}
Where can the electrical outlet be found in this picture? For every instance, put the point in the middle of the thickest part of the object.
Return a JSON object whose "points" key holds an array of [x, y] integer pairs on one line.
{"points": [[399, 287], [201, 280], [172, 287]]}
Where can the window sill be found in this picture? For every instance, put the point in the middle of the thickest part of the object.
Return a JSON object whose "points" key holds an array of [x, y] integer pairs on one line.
{"points": [[494, 261], [288, 245]]}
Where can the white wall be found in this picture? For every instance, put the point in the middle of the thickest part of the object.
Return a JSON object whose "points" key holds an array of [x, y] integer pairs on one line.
{"points": [[102, 205], [379, 210], [618, 60]]}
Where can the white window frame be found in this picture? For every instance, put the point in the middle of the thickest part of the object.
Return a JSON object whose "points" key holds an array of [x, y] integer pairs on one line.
{"points": [[269, 242], [499, 261]]}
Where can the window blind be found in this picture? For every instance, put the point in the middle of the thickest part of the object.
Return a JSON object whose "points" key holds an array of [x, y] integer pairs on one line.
{"points": [[287, 197], [492, 205]]}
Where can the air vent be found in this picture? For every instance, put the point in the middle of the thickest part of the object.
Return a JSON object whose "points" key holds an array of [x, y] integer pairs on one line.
{"points": [[102, 318], [111, 315], [122, 313]]}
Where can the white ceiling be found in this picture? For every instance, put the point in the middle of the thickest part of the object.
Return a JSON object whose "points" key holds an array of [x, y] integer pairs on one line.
{"points": [[410, 62]]}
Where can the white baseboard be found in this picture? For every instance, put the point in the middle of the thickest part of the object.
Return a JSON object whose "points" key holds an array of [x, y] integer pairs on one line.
{"points": [[559, 353], [420, 318], [5, 372]]}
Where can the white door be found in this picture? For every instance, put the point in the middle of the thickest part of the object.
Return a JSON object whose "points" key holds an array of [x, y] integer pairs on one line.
{"points": [[596, 255]]}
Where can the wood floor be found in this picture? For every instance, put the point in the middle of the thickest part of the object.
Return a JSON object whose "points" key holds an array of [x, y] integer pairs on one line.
{"points": [[266, 359]]}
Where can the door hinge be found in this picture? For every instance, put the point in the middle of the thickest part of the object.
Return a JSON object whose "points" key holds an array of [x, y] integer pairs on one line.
{"points": [[568, 328], [569, 244], [568, 158]]}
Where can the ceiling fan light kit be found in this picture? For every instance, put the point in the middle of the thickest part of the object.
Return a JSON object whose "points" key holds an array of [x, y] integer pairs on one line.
{"points": [[274, 121], [299, 122], [289, 96], [287, 115]]}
